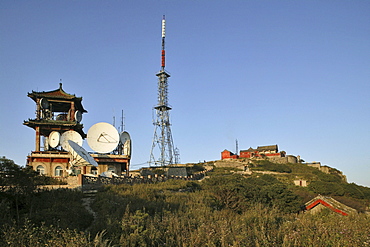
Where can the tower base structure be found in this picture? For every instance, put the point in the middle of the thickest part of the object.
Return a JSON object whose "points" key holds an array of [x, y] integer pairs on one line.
{"points": [[58, 164], [58, 112]]}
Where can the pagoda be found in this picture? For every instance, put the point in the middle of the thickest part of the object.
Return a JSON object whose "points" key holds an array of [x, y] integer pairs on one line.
{"points": [[56, 113]]}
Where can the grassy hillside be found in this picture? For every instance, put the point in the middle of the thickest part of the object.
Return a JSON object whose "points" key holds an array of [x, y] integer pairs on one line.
{"points": [[331, 184], [226, 209]]}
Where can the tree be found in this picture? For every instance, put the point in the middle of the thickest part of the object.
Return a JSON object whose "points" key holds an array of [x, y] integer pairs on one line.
{"points": [[16, 189], [231, 192], [13, 175]]}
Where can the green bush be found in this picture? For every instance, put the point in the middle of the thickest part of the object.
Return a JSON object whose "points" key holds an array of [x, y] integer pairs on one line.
{"points": [[62, 207], [356, 191], [326, 188], [238, 193], [28, 234], [269, 166], [321, 176]]}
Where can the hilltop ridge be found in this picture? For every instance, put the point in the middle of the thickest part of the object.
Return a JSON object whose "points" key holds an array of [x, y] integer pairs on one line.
{"points": [[304, 179]]}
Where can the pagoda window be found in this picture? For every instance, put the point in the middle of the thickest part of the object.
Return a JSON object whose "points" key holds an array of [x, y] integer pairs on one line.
{"points": [[40, 169], [58, 171]]}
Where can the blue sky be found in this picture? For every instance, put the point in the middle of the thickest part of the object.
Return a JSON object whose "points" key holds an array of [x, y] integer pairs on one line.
{"points": [[292, 73]]}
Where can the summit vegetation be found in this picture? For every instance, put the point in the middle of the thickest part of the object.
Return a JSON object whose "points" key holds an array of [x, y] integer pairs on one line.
{"points": [[224, 209]]}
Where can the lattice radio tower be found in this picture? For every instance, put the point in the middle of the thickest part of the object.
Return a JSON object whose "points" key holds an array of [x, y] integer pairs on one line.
{"points": [[162, 130]]}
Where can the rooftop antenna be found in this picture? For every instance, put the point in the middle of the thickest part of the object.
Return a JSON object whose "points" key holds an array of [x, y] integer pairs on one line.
{"points": [[122, 122], [162, 130], [237, 146], [113, 118]]}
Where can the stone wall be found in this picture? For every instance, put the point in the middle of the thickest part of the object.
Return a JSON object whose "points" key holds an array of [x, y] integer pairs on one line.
{"points": [[324, 169], [95, 182], [231, 163], [241, 162], [283, 160]]}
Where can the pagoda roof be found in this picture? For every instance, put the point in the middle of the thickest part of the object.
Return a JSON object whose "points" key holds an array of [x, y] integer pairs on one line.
{"points": [[262, 148], [268, 148], [55, 94], [46, 126]]}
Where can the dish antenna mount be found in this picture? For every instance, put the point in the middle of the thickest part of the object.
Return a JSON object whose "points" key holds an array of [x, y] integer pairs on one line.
{"points": [[80, 156]]}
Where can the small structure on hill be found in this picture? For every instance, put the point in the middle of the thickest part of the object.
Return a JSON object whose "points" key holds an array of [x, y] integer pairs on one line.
{"points": [[300, 182], [320, 202], [226, 154], [177, 172], [271, 152], [261, 151]]}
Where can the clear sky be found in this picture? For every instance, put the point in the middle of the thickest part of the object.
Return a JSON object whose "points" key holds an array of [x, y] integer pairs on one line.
{"points": [[292, 73]]}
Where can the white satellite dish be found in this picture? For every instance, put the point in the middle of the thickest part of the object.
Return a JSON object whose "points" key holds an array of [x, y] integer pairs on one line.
{"points": [[103, 137], [54, 138], [127, 148], [80, 155], [126, 142], [124, 136], [70, 135], [78, 116], [44, 103]]}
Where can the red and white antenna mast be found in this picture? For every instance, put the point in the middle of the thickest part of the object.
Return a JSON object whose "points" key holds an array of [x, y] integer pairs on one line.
{"points": [[163, 42], [162, 132]]}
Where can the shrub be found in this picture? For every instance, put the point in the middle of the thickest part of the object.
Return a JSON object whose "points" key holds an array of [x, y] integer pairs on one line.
{"points": [[356, 191], [326, 188], [28, 234], [238, 193], [269, 166]]}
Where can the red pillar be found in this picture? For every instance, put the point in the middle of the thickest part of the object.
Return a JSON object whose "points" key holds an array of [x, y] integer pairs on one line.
{"points": [[37, 139]]}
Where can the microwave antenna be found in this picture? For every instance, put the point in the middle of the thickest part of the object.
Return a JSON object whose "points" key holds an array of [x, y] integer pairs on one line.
{"points": [[122, 122]]}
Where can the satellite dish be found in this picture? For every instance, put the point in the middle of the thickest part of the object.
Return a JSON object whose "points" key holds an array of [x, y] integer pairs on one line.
{"points": [[80, 155], [126, 142], [44, 103], [54, 138], [78, 116], [124, 136], [102, 137], [127, 148], [70, 135]]}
